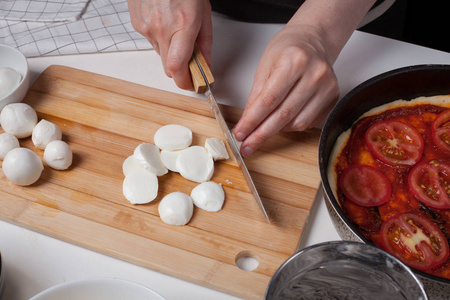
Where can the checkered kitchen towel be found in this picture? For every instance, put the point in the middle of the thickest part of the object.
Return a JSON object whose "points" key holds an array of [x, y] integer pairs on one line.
{"points": [[42, 10], [99, 26]]}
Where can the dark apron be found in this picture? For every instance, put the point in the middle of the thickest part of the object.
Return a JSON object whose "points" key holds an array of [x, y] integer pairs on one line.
{"points": [[260, 11], [390, 24]]}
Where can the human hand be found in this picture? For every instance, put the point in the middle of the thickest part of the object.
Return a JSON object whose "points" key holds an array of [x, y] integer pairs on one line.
{"points": [[172, 27], [294, 87]]}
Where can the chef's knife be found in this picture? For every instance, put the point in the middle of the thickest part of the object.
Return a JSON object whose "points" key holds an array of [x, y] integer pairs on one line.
{"points": [[201, 78]]}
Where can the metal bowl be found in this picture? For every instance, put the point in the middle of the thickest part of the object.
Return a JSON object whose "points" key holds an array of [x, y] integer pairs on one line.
{"points": [[344, 270], [2, 278], [405, 83]]}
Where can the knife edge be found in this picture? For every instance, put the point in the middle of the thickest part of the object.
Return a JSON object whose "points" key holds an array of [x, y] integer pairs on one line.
{"points": [[226, 131]]}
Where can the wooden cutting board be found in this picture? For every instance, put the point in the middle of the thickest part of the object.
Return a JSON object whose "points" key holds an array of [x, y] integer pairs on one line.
{"points": [[103, 119]]}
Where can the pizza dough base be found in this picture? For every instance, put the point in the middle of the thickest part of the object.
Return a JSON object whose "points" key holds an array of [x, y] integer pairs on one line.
{"points": [[442, 100]]}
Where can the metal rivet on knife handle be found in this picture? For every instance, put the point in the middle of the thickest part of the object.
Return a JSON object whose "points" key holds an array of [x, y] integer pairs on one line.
{"points": [[197, 77]]}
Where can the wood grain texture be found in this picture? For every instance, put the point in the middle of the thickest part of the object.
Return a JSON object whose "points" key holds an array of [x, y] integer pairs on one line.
{"points": [[103, 119], [197, 77]]}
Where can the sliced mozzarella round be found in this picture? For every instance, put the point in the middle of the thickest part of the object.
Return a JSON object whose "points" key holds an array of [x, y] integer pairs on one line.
{"points": [[140, 186], [22, 166], [208, 196], [169, 159], [18, 119], [129, 164], [173, 137], [216, 148], [7, 143], [176, 209], [58, 155], [195, 164], [45, 132], [149, 156]]}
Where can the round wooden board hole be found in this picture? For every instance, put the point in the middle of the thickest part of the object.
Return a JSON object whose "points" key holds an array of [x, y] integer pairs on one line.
{"points": [[246, 261]]}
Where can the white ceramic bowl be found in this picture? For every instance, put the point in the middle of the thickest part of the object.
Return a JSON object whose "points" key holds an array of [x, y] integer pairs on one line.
{"points": [[98, 289], [10, 57]]}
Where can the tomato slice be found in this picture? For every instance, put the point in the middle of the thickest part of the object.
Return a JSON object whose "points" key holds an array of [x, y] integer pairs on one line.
{"points": [[415, 240], [394, 142], [440, 131], [365, 185], [430, 183]]}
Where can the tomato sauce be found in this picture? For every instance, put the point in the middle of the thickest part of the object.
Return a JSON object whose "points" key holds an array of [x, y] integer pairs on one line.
{"points": [[356, 151]]}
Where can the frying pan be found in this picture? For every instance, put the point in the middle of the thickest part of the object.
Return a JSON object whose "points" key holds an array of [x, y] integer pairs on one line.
{"points": [[405, 83]]}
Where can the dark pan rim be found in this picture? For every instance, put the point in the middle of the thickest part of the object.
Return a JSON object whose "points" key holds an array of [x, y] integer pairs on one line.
{"points": [[323, 164]]}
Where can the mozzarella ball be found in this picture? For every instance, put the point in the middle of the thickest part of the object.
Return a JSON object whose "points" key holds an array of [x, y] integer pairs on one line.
{"points": [[58, 155], [9, 80], [45, 132], [173, 137], [7, 143], [18, 119], [176, 209], [208, 196], [22, 166]]}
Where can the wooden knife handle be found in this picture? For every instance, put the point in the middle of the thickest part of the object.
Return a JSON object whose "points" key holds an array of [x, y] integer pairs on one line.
{"points": [[197, 77]]}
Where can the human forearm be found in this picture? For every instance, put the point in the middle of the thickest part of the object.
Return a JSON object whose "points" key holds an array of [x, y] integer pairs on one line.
{"points": [[334, 20]]}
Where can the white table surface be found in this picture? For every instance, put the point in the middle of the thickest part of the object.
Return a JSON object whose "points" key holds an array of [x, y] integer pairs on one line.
{"points": [[34, 262]]}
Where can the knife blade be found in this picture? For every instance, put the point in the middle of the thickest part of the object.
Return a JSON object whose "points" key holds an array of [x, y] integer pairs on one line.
{"points": [[202, 85]]}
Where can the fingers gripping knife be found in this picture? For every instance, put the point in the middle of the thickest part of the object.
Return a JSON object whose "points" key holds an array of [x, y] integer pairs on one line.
{"points": [[202, 78]]}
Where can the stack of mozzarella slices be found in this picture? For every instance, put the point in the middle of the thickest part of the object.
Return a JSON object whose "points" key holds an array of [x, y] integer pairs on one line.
{"points": [[172, 151]]}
